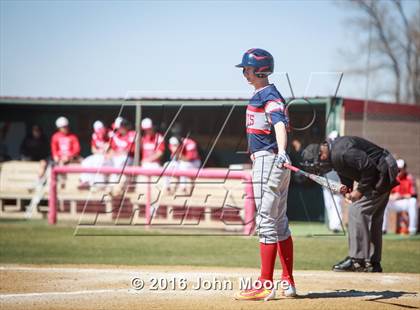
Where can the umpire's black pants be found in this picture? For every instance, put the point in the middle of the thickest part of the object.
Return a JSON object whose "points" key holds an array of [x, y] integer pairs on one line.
{"points": [[365, 226]]}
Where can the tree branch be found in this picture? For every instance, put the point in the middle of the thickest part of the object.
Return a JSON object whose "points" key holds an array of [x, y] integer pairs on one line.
{"points": [[371, 9]]}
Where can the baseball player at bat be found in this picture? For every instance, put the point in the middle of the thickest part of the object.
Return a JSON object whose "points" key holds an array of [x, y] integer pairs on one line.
{"points": [[266, 127], [375, 170]]}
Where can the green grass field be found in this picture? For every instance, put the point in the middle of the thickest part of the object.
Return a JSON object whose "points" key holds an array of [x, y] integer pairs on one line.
{"points": [[36, 242]]}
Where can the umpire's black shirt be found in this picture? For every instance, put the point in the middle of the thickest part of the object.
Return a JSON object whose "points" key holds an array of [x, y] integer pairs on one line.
{"points": [[356, 159]]}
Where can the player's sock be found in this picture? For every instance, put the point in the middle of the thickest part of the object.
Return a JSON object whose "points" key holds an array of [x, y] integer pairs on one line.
{"points": [[268, 254], [285, 249]]}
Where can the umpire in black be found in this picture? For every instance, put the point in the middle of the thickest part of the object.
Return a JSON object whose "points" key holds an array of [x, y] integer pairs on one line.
{"points": [[375, 170]]}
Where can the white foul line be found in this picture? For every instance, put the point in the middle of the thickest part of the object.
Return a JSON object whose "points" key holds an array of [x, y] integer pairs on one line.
{"points": [[43, 294]]}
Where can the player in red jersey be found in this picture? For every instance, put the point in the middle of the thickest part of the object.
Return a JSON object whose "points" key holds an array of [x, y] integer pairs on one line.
{"points": [[122, 146], [172, 164], [184, 156], [152, 145], [65, 146], [189, 158], [403, 198], [99, 142], [99, 147]]}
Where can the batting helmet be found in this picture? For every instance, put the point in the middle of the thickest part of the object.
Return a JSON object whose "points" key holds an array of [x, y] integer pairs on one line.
{"points": [[260, 59]]}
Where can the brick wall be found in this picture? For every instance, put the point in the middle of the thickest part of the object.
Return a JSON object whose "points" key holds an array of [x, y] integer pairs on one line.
{"points": [[392, 126]]}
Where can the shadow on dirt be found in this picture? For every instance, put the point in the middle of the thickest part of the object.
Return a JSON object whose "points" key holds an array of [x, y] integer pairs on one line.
{"points": [[375, 296]]}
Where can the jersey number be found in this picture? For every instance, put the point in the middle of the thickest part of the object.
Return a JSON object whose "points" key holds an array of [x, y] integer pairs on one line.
{"points": [[249, 119]]}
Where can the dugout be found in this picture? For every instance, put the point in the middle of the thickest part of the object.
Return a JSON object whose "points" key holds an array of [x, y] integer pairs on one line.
{"points": [[217, 125]]}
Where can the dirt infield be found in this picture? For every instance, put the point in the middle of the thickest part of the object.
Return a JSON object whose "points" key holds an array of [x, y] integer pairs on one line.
{"points": [[111, 287]]}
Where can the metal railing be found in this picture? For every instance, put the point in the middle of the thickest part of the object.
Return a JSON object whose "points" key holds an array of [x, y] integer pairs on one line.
{"points": [[249, 204]]}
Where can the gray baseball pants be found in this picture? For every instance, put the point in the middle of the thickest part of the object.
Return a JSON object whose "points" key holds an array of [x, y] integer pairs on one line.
{"points": [[271, 185]]}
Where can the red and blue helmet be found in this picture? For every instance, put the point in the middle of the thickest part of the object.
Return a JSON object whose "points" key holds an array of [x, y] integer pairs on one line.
{"points": [[260, 59]]}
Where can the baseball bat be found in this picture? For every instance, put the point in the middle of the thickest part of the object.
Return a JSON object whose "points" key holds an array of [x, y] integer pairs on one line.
{"points": [[336, 187]]}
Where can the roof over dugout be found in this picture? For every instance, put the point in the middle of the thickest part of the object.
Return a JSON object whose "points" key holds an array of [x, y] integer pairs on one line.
{"points": [[144, 101]]}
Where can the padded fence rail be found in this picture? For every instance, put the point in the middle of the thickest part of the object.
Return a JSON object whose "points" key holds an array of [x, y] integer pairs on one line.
{"points": [[225, 174]]}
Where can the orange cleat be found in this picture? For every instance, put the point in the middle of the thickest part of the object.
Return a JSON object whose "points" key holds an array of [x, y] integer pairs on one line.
{"points": [[263, 294]]}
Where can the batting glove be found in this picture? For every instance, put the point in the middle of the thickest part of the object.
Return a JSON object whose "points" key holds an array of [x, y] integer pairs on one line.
{"points": [[281, 158]]}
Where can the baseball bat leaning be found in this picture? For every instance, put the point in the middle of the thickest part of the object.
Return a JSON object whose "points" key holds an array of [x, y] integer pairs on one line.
{"points": [[336, 187]]}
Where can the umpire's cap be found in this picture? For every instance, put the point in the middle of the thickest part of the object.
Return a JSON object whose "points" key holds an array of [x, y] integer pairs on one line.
{"points": [[311, 153], [311, 161]]}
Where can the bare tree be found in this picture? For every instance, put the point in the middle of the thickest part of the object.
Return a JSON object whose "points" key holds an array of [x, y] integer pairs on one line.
{"points": [[394, 43]]}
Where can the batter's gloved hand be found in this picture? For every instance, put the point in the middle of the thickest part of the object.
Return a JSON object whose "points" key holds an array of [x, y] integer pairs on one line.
{"points": [[281, 158]]}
